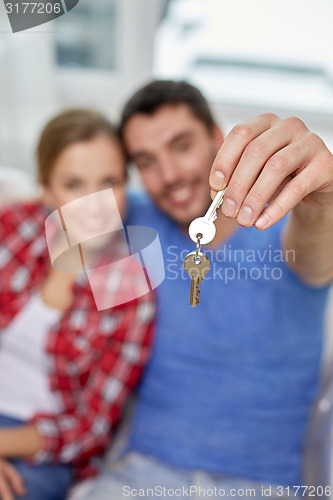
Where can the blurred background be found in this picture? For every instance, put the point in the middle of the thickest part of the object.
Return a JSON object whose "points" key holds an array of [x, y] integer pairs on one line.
{"points": [[247, 58]]}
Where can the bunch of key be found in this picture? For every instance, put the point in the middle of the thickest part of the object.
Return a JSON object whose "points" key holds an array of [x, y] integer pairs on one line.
{"points": [[202, 230]]}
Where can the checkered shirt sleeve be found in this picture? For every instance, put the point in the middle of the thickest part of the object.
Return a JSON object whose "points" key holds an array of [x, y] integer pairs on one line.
{"points": [[94, 381], [78, 434]]}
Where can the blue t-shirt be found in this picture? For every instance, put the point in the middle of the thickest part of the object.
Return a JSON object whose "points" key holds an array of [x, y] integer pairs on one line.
{"points": [[230, 382]]}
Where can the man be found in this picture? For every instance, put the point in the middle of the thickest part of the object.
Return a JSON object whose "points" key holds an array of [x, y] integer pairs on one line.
{"points": [[226, 397]]}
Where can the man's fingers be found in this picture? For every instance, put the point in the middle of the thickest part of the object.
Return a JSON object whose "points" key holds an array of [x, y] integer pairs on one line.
{"points": [[266, 151], [5, 491], [246, 151], [234, 145], [294, 191], [278, 168], [15, 479]]}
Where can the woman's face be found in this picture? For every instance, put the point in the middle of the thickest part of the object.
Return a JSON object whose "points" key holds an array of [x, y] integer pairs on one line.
{"points": [[88, 168]]}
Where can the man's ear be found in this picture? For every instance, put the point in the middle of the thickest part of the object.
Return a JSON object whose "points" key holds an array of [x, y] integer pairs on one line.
{"points": [[218, 136]]}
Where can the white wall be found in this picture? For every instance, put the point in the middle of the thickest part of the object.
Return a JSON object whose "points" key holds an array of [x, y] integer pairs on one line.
{"points": [[228, 116]]}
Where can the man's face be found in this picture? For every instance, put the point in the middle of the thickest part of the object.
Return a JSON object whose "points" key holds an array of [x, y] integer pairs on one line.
{"points": [[174, 152]]}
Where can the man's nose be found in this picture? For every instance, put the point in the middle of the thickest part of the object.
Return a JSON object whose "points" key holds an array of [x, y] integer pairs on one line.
{"points": [[168, 171]]}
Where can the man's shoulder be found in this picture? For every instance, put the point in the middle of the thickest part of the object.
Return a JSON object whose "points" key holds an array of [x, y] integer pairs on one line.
{"points": [[138, 198]]}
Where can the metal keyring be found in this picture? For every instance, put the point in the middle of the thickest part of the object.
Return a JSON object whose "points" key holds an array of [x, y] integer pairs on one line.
{"points": [[198, 246]]}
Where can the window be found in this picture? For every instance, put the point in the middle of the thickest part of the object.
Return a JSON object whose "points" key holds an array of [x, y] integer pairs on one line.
{"points": [[270, 54], [87, 36]]}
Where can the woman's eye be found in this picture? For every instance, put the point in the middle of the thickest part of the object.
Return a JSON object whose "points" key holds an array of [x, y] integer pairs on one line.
{"points": [[73, 185], [111, 182]]}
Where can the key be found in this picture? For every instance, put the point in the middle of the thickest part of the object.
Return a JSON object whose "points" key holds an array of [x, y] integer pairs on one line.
{"points": [[205, 225], [197, 264]]}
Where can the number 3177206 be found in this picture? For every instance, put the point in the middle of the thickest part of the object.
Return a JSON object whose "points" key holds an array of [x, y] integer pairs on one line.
{"points": [[33, 8]]}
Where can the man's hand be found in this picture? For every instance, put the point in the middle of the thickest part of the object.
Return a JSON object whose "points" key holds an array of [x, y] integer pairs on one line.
{"points": [[281, 164], [11, 482], [274, 161]]}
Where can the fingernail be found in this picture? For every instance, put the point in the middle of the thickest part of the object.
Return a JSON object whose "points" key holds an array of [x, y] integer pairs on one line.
{"points": [[217, 180], [213, 193], [229, 207], [245, 216], [262, 221]]}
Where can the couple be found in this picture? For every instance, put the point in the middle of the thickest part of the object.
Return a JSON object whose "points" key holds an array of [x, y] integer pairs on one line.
{"points": [[226, 395]]}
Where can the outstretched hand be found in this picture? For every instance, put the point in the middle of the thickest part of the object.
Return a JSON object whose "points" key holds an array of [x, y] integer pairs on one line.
{"points": [[271, 161]]}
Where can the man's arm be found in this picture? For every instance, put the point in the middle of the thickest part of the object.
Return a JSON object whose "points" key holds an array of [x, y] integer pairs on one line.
{"points": [[272, 166], [309, 233]]}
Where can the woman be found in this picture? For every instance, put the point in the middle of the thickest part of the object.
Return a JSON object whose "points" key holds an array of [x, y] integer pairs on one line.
{"points": [[67, 363]]}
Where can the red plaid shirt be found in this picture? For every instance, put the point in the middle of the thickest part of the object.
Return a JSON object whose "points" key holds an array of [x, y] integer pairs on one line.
{"points": [[96, 357]]}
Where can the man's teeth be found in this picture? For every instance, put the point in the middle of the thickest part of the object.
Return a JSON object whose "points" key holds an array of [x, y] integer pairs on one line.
{"points": [[181, 194]]}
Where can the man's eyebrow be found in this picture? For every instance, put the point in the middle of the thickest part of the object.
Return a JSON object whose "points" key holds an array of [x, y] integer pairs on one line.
{"points": [[178, 137], [182, 135]]}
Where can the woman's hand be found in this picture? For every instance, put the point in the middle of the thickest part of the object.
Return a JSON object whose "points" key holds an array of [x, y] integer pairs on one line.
{"points": [[11, 482], [19, 442]]}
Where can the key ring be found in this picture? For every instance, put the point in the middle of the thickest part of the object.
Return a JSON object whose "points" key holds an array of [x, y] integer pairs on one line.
{"points": [[198, 245]]}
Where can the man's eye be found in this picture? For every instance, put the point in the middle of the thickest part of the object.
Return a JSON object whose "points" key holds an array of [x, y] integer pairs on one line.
{"points": [[144, 163], [182, 146]]}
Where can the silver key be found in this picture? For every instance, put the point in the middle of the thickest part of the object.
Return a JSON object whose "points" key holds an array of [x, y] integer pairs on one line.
{"points": [[197, 264], [205, 225]]}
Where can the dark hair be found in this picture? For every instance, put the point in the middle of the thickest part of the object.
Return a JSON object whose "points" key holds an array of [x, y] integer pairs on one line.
{"points": [[74, 125], [158, 93]]}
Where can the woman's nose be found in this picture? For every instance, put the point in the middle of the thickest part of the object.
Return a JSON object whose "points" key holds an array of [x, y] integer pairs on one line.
{"points": [[93, 202]]}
